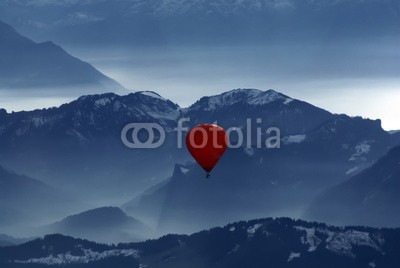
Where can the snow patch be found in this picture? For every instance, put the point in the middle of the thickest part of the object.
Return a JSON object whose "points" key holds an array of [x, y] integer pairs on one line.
{"points": [[169, 115], [253, 97], [391, 132], [118, 105], [310, 238], [361, 149], [257, 97], [352, 170], [88, 256], [152, 95], [342, 243], [184, 170], [78, 135], [253, 229], [235, 249], [287, 101], [101, 102], [292, 256], [38, 121]]}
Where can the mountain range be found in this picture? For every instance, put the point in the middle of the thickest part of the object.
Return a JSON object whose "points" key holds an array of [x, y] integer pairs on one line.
{"points": [[80, 141], [79, 144], [77, 147], [6, 240], [42, 68], [106, 224], [280, 242]]}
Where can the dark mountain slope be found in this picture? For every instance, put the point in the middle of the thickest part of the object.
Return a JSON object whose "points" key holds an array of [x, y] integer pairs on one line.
{"points": [[250, 182], [258, 243], [79, 143], [371, 197]]}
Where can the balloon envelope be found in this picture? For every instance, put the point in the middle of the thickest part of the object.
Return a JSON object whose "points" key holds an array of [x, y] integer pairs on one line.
{"points": [[206, 143]]}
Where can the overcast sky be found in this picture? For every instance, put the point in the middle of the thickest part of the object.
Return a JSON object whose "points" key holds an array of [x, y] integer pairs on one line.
{"points": [[352, 79]]}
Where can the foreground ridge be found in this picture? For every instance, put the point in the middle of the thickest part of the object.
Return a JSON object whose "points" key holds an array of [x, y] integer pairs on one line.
{"points": [[280, 242]]}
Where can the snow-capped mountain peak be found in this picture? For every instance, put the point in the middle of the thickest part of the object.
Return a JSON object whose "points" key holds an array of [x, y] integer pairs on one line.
{"points": [[391, 132], [92, 114], [152, 94], [251, 97]]}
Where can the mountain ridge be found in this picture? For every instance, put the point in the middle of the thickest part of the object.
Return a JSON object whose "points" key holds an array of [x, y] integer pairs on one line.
{"points": [[27, 65], [282, 242], [105, 224]]}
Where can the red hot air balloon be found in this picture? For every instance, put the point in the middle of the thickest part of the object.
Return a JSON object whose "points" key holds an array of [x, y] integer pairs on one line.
{"points": [[206, 143]]}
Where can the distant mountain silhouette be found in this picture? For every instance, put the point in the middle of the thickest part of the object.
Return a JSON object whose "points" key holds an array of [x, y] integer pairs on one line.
{"points": [[106, 224], [6, 240], [26, 65], [25, 202]]}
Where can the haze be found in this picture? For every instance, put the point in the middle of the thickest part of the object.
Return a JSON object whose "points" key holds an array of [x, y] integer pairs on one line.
{"points": [[352, 78]]}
